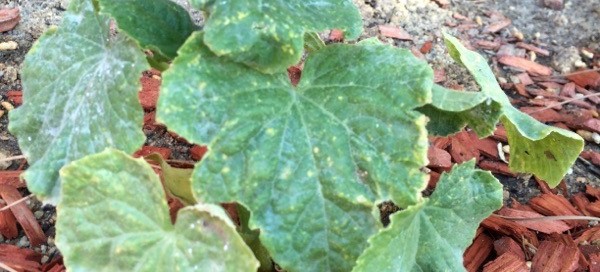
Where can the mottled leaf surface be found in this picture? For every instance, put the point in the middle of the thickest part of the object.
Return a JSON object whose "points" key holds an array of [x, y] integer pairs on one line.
{"points": [[113, 216], [432, 235], [269, 35], [450, 111], [309, 162], [543, 150], [80, 87], [159, 25]]}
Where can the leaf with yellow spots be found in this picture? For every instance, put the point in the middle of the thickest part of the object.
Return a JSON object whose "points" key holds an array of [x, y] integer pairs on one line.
{"points": [[80, 86], [114, 216], [309, 162], [269, 35]]}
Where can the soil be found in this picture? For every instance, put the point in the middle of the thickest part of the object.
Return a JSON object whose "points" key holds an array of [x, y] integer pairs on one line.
{"points": [[563, 32]]}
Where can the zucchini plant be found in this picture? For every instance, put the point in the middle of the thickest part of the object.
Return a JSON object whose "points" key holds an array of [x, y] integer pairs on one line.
{"points": [[307, 164]]}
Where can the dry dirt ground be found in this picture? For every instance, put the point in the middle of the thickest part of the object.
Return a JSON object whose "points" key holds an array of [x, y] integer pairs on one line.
{"points": [[563, 32]]}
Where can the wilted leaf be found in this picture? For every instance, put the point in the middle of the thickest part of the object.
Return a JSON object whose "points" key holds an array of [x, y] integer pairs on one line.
{"points": [[113, 216], [451, 111], [269, 35], [543, 150], [309, 162], [432, 235], [159, 25], [80, 87]]}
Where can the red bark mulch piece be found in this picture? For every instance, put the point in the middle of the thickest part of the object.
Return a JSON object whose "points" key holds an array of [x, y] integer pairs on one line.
{"points": [[584, 79], [463, 147], [23, 215], [197, 152], [510, 228], [12, 178], [294, 73], [547, 227], [556, 205], [555, 256], [478, 252], [439, 158], [497, 167], [20, 259], [507, 262], [508, 245], [150, 87], [395, 32], [531, 67], [8, 223], [9, 18], [16, 97]]}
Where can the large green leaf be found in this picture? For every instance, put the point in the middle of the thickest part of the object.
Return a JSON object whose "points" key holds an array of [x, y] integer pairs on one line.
{"points": [[545, 151], [432, 235], [309, 162], [113, 216], [159, 25], [80, 87], [268, 35]]}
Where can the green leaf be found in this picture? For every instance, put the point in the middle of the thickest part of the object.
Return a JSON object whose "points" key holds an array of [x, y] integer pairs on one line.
{"points": [[114, 216], [159, 25], [269, 35], [309, 162], [432, 235], [80, 86], [313, 42], [451, 111], [177, 181], [543, 150]]}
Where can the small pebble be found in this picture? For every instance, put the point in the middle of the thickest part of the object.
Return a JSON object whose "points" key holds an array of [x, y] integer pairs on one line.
{"points": [[45, 259], [478, 20], [43, 249], [7, 46], [23, 242], [587, 54], [50, 242], [6, 105], [532, 56], [596, 138], [38, 214], [51, 250], [580, 64], [517, 34], [586, 135], [1, 113]]}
